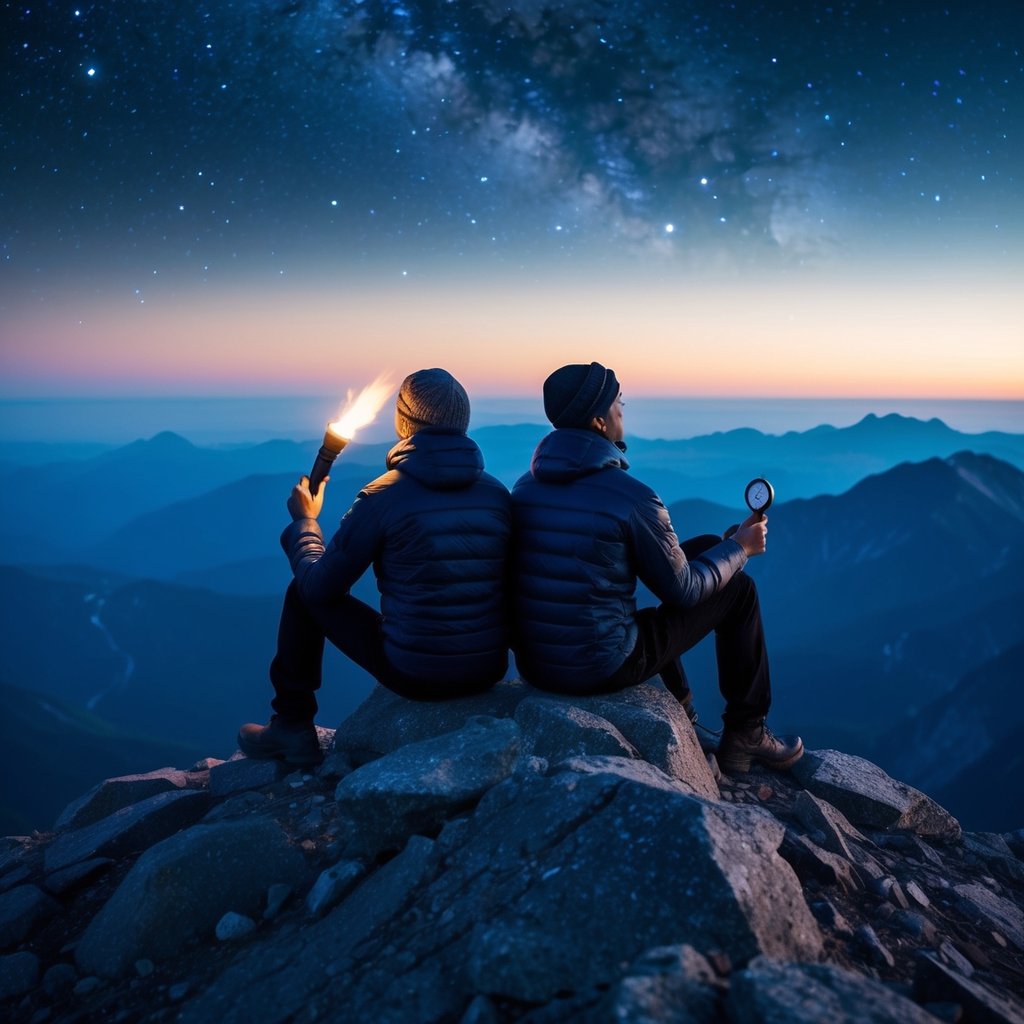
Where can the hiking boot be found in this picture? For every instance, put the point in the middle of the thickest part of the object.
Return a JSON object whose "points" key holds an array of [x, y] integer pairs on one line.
{"points": [[292, 742], [755, 742]]}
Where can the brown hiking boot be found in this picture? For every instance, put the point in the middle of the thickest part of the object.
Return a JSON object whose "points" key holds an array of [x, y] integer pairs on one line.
{"points": [[755, 742], [292, 742]]}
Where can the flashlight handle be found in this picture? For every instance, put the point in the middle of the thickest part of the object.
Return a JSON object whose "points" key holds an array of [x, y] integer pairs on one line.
{"points": [[324, 460]]}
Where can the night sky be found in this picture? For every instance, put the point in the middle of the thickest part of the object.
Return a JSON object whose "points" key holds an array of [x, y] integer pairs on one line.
{"points": [[441, 169]]}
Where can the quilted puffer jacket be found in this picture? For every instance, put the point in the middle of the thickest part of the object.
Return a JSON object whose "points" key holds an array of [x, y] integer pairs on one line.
{"points": [[436, 529], [584, 532]]}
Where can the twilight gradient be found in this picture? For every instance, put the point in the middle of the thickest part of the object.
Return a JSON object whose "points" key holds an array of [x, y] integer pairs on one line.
{"points": [[733, 199]]}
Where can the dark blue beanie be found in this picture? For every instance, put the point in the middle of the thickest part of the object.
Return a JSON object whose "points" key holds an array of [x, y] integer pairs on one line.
{"points": [[575, 394]]}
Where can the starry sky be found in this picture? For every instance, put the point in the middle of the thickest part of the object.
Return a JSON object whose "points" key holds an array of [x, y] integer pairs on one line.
{"points": [[784, 198]]}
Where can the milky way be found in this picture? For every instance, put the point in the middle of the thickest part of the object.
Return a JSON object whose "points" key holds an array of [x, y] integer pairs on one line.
{"points": [[208, 139]]}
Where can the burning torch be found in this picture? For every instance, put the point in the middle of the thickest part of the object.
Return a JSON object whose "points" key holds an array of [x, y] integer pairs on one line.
{"points": [[360, 410]]}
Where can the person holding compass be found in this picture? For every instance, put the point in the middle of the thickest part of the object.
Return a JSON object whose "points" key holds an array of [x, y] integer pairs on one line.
{"points": [[585, 532]]}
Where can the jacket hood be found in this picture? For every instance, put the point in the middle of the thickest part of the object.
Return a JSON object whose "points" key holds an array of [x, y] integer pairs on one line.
{"points": [[569, 453], [443, 460]]}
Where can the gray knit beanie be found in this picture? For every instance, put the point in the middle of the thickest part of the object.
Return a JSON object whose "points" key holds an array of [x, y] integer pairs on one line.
{"points": [[431, 398]]}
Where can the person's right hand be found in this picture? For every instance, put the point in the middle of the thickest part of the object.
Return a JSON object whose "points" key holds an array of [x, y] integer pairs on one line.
{"points": [[752, 534]]}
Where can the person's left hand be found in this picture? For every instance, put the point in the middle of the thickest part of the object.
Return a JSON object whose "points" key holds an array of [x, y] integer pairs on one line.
{"points": [[302, 504]]}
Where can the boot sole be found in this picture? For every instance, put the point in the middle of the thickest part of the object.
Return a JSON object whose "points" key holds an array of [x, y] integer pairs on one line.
{"points": [[742, 764]]}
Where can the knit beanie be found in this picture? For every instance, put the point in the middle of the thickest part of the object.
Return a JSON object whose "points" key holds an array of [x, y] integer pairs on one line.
{"points": [[575, 394], [431, 398]]}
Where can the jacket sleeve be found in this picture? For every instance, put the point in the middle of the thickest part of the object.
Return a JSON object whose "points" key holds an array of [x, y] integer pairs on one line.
{"points": [[325, 572], [665, 570]]}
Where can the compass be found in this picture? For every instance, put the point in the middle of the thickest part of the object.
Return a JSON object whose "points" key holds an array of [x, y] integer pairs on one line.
{"points": [[759, 494]]}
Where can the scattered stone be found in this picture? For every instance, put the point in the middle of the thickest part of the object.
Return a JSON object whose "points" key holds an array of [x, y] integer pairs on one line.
{"points": [[999, 939], [21, 909], [992, 911], [333, 885], [829, 917], [164, 901], [385, 722], [917, 894], [809, 861], [243, 773], [234, 926], [955, 958], [86, 986], [59, 980], [867, 796], [144, 968], [178, 991], [61, 881], [334, 766], [817, 814], [19, 973], [277, 895], [128, 830], [934, 981], [993, 851], [480, 1011], [772, 993], [113, 794], [414, 789], [887, 888], [765, 792], [15, 876], [205, 764], [916, 925], [872, 946]]}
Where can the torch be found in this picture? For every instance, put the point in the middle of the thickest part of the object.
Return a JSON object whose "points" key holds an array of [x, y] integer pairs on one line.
{"points": [[359, 411]]}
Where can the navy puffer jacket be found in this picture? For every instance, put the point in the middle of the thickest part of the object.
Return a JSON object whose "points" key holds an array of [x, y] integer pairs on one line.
{"points": [[436, 529], [585, 531]]}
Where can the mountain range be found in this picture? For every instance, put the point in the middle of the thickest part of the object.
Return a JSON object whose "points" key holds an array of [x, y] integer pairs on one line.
{"points": [[147, 597]]}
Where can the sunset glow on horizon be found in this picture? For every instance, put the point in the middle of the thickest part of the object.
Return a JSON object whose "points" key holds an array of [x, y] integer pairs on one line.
{"points": [[785, 204]]}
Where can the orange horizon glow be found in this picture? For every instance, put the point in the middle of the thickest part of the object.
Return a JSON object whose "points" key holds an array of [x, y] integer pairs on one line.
{"points": [[911, 340]]}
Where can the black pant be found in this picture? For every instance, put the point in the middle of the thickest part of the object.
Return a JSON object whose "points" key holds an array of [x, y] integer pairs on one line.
{"points": [[666, 632], [355, 629]]}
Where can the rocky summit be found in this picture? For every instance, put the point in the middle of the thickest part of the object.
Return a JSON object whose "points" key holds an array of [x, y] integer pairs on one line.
{"points": [[513, 856]]}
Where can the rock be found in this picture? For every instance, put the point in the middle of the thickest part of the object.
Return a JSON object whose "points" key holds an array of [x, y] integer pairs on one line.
{"points": [[59, 980], [384, 722], [995, 853], [701, 873], [480, 1011], [128, 830], [15, 876], [557, 730], [333, 885], [774, 993], [654, 722], [61, 881], [244, 773], [144, 968], [984, 906], [935, 982], [86, 986], [113, 794], [21, 909], [674, 984], [277, 895], [887, 888], [234, 926], [952, 956], [916, 925], [809, 860], [829, 917], [178, 991], [19, 973], [867, 796], [816, 814], [917, 894], [873, 948], [415, 788], [181, 887]]}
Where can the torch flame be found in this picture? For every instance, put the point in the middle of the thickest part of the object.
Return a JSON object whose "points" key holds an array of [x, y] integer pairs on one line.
{"points": [[361, 410]]}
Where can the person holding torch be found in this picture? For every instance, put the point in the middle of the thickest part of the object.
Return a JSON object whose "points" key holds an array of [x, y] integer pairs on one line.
{"points": [[435, 527]]}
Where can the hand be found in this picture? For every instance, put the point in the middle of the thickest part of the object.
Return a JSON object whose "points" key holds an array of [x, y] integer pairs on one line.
{"points": [[302, 504], [752, 534]]}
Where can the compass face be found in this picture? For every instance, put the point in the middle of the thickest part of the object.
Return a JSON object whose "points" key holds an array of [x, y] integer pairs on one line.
{"points": [[759, 495]]}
